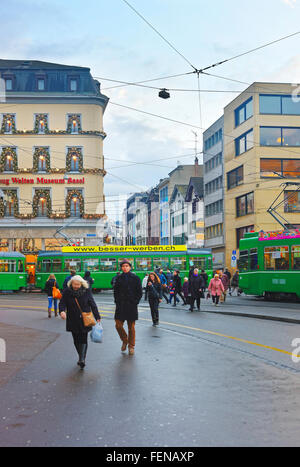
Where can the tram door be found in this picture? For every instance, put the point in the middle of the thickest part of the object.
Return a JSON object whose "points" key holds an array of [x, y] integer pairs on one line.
{"points": [[30, 266]]}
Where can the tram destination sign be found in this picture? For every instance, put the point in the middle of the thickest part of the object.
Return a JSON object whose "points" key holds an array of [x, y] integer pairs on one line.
{"points": [[124, 249], [279, 235]]}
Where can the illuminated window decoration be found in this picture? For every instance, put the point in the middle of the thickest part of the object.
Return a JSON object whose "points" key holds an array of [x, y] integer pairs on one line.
{"points": [[42, 205], [74, 124], [74, 160], [8, 124], [8, 160], [10, 205], [41, 159], [41, 124], [74, 203]]}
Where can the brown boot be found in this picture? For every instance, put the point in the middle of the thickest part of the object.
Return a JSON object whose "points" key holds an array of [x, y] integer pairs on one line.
{"points": [[49, 312]]}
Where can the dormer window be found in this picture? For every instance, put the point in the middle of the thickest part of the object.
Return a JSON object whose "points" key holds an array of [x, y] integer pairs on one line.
{"points": [[41, 84], [73, 84], [8, 84]]}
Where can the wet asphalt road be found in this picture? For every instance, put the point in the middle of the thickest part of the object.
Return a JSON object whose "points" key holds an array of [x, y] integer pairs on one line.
{"points": [[199, 379]]}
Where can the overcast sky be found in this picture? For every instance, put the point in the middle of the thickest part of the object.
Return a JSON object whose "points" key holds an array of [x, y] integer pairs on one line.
{"points": [[110, 39]]}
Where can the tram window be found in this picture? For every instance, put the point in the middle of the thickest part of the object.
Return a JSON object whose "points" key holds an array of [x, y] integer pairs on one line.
{"points": [[178, 263], [108, 264], [243, 261], [72, 263], [46, 265], [143, 264], [199, 263], [253, 259], [277, 258], [20, 266], [7, 265], [91, 264], [162, 263], [39, 266], [131, 261], [296, 257], [56, 265]]}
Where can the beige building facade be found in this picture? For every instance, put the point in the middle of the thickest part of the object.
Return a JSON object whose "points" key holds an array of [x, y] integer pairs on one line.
{"points": [[51, 155], [261, 153]]}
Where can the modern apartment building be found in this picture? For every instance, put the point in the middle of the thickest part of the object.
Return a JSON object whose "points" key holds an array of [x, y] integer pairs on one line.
{"points": [[261, 152], [213, 179], [51, 153]]}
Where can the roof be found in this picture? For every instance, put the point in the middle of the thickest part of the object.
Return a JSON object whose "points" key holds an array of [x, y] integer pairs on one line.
{"points": [[182, 189], [36, 64], [11, 254], [196, 185]]}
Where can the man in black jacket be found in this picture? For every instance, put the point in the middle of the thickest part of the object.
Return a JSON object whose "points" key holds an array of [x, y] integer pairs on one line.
{"points": [[127, 294], [196, 284], [177, 287]]}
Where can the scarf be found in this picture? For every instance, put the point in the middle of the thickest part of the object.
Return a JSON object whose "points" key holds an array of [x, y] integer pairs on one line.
{"points": [[77, 293]]}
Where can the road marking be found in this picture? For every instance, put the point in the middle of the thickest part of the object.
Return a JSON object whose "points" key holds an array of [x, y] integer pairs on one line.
{"points": [[205, 331]]}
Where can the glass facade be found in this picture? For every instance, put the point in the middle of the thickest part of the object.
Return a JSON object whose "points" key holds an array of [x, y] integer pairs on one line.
{"points": [[279, 104], [280, 136]]}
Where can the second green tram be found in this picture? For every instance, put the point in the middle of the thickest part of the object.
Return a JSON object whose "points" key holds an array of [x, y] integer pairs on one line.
{"points": [[269, 264], [104, 266]]}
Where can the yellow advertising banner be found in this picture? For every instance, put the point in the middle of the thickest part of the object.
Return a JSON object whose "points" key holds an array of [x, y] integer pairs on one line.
{"points": [[124, 249]]}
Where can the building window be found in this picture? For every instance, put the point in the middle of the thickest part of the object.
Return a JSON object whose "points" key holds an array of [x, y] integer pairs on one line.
{"points": [[245, 205], [74, 203], [279, 136], [291, 201], [42, 203], [213, 162], [74, 123], [41, 159], [8, 84], [241, 232], [288, 168], [279, 105], [73, 84], [41, 84], [74, 160], [244, 143], [235, 177], [8, 160], [41, 124], [214, 208], [11, 203], [8, 124], [213, 139], [214, 185], [244, 112]]}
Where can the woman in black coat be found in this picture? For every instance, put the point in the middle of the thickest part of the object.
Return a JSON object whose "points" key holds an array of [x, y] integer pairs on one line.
{"points": [[177, 287], [196, 285], [154, 293], [127, 294], [87, 277], [78, 298]]}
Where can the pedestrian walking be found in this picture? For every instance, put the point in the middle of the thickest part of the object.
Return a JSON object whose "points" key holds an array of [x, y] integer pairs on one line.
{"points": [[235, 283], [51, 282], [65, 284], [77, 299], [177, 287], [168, 276], [127, 294], [87, 277], [185, 289], [205, 280], [154, 291], [228, 274], [196, 284], [216, 289], [172, 292], [144, 285], [164, 284], [225, 281]]}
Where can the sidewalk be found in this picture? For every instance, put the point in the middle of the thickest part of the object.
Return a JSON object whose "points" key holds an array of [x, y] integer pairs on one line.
{"points": [[248, 307]]}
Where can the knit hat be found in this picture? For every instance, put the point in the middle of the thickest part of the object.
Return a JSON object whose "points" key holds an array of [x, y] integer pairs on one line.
{"points": [[125, 261]]}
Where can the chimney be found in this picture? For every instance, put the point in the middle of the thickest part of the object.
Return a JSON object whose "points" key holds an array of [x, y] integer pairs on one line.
{"points": [[196, 167]]}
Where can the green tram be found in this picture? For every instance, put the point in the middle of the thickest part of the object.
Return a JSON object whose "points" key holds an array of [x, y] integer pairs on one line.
{"points": [[269, 264], [104, 266], [13, 275]]}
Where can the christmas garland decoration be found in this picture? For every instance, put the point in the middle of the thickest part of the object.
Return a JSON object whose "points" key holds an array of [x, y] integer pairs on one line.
{"points": [[71, 153], [71, 119], [72, 194], [14, 196], [6, 118], [38, 119], [38, 152], [35, 204], [9, 152]]}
